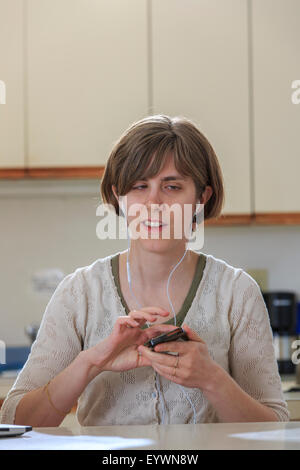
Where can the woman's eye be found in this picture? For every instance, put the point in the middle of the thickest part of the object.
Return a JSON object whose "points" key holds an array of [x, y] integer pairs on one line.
{"points": [[143, 186]]}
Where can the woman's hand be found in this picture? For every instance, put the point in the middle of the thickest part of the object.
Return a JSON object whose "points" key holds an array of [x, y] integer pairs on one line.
{"points": [[118, 352], [192, 367]]}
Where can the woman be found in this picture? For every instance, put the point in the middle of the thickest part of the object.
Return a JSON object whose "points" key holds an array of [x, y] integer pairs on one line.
{"points": [[90, 345]]}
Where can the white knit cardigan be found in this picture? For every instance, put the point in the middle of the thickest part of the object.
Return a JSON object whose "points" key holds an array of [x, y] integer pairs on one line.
{"points": [[228, 312]]}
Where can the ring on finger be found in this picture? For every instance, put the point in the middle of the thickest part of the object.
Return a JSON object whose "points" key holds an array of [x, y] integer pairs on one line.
{"points": [[176, 365]]}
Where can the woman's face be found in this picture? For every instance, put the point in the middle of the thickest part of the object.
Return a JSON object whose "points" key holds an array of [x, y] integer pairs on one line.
{"points": [[168, 198]]}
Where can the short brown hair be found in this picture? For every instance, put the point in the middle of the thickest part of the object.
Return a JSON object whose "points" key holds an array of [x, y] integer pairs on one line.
{"points": [[157, 136]]}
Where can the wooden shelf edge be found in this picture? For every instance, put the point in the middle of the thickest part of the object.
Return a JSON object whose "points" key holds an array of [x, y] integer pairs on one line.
{"points": [[54, 173], [278, 218], [230, 219], [12, 173]]}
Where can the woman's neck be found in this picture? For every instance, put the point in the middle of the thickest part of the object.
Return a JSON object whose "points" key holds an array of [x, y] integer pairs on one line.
{"points": [[153, 269]]}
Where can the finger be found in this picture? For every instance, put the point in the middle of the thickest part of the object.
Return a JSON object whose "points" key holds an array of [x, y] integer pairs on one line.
{"points": [[191, 334], [140, 321], [174, 346], [156, 310], [142, 360], [165, 369], [127, 321], [168, 373], [156, 358], [138, 315], [143, 316], [156, 330], [146, 352]]}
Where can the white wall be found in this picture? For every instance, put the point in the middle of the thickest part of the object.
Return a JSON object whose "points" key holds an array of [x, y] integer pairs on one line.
{"points": [[41, 229]]}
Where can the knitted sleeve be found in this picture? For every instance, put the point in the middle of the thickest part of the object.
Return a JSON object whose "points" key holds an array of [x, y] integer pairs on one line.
{"points": [[252, 359], [58, 342]]}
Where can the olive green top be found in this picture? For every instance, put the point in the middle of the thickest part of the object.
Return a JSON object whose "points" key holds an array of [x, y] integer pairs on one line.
{"points": [[187, 301]]}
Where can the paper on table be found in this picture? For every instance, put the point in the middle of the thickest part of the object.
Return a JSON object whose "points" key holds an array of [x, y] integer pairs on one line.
{"points": [[35, 440]]}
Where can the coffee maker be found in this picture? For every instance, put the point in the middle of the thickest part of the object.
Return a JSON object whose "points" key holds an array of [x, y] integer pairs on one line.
{"points": [[282, 309]]}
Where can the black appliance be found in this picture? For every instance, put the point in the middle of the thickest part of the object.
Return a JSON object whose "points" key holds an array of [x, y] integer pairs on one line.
{"points": [[282, 309]]}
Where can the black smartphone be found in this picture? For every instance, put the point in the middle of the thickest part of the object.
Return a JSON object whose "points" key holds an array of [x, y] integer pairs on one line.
{"points": [[174, 335]]}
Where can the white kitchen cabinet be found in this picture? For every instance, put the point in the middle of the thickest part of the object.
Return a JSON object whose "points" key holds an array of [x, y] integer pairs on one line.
{"points": [[276, 58], [200, 70], [11, 86], [86, 77]]}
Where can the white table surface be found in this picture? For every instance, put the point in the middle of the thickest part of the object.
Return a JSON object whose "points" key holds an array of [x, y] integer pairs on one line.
{"points": [[266, 435], [194, 437]]}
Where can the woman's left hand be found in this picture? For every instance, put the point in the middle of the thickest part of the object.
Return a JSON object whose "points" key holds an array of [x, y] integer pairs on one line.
{"points": [[193, 367]]}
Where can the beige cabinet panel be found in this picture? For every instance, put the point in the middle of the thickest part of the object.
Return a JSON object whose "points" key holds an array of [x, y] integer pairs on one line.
{"points": [[276, 60], [11, 84], [200, 70], [87, 78]]}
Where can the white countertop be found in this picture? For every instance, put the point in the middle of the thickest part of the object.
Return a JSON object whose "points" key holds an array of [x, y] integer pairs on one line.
{"points": [[70, 435], [235, 436]]}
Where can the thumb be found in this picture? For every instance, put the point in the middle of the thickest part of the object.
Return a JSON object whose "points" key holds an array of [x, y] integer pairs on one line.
{"points": [[191, 334]]}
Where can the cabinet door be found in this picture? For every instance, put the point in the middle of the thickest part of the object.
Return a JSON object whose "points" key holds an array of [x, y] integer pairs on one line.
{"points": [[11, 84], [87, 78], [276, 59], [200, 70]]}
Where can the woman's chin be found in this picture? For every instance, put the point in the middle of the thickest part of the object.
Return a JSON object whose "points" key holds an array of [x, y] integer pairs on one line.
{"points": [[160, 245], [158, 239]]}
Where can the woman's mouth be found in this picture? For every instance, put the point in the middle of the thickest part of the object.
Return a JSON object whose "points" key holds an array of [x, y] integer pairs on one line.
{"points": [[153, 225]]}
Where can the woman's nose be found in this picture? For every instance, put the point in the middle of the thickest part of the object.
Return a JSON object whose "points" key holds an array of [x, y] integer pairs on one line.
{"points": [[152, 206], [155, 210], [154, 199]]}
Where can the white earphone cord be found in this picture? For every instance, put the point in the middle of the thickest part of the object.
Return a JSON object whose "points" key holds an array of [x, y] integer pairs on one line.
{"points": [[129, 282]]}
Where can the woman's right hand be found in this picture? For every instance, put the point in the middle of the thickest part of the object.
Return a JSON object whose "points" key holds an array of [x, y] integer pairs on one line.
{"points": [[118, 352]]}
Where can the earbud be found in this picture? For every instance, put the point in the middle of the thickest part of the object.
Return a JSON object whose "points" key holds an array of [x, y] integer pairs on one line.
{"points": [[122, 208], [196, 213]]}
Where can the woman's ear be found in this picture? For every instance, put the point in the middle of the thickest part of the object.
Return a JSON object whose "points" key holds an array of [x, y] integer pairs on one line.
{"points": [[206, 195]]}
